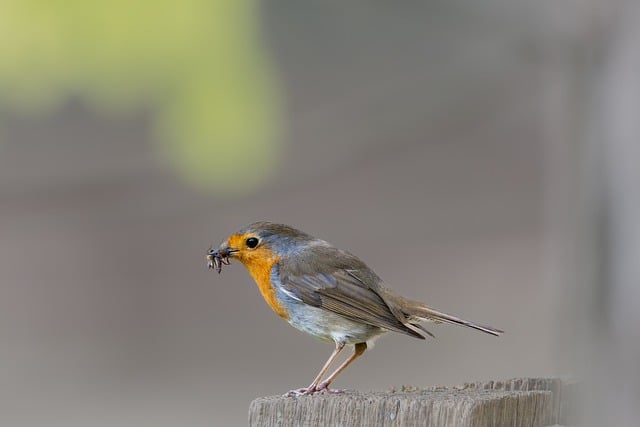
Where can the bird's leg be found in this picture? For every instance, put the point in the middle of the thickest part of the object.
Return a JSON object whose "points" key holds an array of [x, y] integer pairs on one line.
{"points": [[357, 352], [313, 387]]}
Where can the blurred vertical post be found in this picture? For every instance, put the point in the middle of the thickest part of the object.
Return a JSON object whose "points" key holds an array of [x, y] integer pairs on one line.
{"points": [[621, 114], [608, 238]]}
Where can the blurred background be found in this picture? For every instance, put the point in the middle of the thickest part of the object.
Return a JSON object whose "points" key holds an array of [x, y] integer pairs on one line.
{"points": [[481, 157]]}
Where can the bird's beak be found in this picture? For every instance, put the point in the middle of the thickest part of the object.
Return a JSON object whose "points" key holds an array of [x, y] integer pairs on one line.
{"points": [[216, 258]]}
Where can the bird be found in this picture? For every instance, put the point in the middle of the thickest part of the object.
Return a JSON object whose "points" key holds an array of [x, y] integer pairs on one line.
{"points": [[326, 292]]}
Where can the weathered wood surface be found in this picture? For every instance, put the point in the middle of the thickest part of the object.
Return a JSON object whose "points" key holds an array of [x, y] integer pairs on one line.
{"points": [[518, 402]]}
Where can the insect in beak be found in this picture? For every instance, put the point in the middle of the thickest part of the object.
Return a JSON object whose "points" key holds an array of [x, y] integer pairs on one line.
{"points": [[217, 258]]}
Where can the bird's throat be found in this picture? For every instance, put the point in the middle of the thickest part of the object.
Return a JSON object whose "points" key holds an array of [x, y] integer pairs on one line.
{"points": [[260, 266]]}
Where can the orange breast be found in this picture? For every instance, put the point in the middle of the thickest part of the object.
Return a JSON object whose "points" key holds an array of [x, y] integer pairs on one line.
{"points": [[259, 264]]}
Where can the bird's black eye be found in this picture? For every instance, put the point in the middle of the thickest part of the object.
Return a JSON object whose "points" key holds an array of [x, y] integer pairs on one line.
{"points": [[252, 242]]}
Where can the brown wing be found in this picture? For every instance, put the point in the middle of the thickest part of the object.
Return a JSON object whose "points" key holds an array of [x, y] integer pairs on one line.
{"points": [[343, 284]]}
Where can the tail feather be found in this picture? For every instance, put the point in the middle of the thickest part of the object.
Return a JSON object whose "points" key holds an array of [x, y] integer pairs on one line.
{"points": [[427, 313]]}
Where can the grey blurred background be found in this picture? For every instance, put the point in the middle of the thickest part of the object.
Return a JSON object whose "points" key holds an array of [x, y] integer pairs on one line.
{"points": [[457, 147]]}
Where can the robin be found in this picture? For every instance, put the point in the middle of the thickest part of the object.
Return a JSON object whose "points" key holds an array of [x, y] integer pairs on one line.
{"points": [[326, 292]]}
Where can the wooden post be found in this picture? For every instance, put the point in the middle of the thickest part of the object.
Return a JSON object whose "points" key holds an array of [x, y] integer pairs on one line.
{"points": [[517, 402]]}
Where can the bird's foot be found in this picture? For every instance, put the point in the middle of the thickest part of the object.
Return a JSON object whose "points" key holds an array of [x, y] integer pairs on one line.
{"points": [[331, 391], [324, 388], [311, 390], [297, 392]]}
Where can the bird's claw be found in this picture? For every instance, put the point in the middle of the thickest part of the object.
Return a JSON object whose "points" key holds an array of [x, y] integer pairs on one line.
{"points": [[296, 393], [311, 390]]}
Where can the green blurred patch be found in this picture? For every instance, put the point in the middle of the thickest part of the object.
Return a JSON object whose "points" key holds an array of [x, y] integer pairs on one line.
{"points": [[199, 63]]}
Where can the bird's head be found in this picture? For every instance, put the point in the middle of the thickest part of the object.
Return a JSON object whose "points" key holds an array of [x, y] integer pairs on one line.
{"points": [[258, 242]]}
